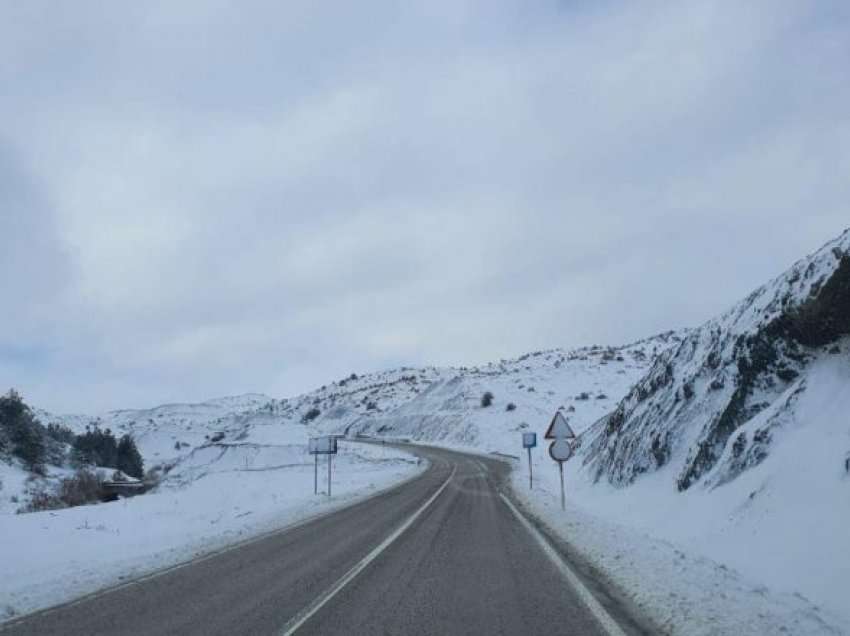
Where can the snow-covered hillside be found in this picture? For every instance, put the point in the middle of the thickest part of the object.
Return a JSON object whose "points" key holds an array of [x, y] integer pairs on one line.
{"points": [[717, 404], [185, 442], [736, 444], [168, 432], [767, 552], [429, 404], [585, 384]]}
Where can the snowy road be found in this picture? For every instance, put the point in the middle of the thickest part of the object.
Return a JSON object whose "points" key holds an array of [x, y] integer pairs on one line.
{"points": [[442, 554]]}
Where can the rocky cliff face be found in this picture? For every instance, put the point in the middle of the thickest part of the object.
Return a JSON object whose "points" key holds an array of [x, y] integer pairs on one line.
{"points": [[712, 405]]}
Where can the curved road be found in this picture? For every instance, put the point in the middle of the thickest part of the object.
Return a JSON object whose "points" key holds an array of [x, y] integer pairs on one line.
{"points": [[445, 553]]}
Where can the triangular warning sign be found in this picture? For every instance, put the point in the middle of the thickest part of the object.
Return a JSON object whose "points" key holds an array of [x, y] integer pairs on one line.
{"points": [[559, 428]]}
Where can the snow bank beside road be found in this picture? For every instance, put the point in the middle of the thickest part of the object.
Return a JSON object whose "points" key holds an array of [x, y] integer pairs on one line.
{"points": [[51, 557], [679, 589]]}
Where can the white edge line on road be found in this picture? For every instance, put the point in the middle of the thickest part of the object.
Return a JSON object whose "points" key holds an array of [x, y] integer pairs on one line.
{"points": [[604, 618], [304, 615], [339, 506]]}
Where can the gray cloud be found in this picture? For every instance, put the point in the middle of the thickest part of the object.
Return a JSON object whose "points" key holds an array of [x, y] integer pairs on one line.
{"points": [[268, 197]]}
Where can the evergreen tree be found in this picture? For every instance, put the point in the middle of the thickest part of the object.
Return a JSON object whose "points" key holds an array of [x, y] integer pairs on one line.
{"points": [[28, 444], [11, 410], [22, 434], [129, 458], [96, 447], [61, 433]]}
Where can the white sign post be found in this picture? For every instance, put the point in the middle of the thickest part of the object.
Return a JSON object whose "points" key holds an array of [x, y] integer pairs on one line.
{"points": [[562, 448], [529, 441]]}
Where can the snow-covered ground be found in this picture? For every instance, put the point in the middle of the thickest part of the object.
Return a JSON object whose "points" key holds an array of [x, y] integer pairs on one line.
{"points": [[784, 523], [216, 496], [766, 553], [672, 581], [768, 550]]}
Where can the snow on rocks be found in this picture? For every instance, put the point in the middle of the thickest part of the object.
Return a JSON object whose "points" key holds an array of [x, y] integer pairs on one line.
{"points": [[691, 409]]}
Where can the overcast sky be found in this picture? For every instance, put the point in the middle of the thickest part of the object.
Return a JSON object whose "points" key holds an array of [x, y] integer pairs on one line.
{"points": [[207, 198]]}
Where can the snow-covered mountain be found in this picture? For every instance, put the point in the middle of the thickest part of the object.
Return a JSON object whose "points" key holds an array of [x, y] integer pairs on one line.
{"points": [[709, 401], [585, 383], [716, 404], [430, 404], [167, 432]]}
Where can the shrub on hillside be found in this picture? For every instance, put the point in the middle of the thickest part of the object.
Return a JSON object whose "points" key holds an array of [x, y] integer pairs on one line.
{"points": [[41, 499], [486, 399], [82, 488], [311, 415], [510, 407]]}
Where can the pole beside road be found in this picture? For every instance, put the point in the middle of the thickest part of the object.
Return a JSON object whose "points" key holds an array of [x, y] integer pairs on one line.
{"points": [[529, 441], [322, 446], [561, 449], [561, 469]]}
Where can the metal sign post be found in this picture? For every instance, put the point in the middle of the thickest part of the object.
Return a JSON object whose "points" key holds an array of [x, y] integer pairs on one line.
{"points": [[529, 441], [562, 448], [561, 469], [322, 446], [312, 447]]}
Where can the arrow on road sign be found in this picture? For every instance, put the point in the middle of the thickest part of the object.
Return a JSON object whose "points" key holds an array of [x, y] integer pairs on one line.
{"points": [[559, 428]]}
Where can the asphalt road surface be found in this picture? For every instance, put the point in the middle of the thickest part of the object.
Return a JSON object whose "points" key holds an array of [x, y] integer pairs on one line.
{"points": [[442, 554]]}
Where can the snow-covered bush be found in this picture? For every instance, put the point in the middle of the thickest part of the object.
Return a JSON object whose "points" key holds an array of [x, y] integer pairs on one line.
{"points": [[82, 488]]}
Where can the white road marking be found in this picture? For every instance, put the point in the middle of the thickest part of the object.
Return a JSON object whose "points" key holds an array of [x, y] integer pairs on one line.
{"points": [[599, 612], [304, 615]]}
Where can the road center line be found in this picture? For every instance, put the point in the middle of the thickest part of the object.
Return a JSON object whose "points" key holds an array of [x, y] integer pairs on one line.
{"points": [[304, 615], [599, 612]]}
